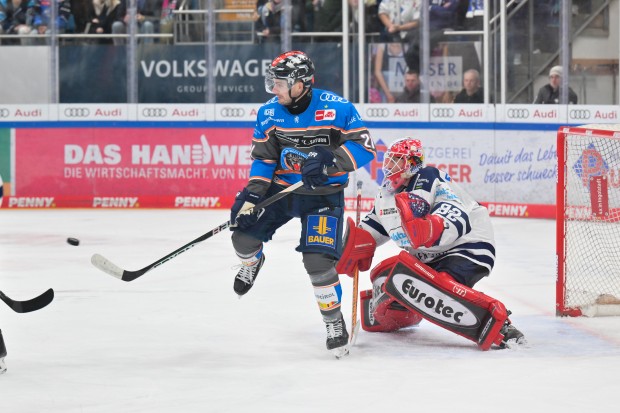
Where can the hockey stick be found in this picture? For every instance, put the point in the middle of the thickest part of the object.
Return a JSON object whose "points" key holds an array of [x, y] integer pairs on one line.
{"points": [[27, 306], [356, 274], [108, 267]]}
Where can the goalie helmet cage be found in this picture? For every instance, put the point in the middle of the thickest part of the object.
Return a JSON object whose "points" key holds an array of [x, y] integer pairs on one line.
{"points": [[588, 221]]}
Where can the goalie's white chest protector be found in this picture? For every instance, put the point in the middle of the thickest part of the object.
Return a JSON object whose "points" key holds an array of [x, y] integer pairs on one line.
{"points": [[389, 218], [468, 230]]}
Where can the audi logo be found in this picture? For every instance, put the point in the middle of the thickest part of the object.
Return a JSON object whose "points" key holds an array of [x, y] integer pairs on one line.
{"points": [[377, 112], [330, 97], [579, 114], [518, 113], [443, 112], [232, 112], [77, 112], [4, 113], [154, 112]]}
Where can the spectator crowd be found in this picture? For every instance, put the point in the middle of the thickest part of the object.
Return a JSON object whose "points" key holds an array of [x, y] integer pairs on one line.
{"points": [[392, 27]]}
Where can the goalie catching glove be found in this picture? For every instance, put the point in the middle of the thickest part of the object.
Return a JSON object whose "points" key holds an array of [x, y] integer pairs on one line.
{"points": [[359, 248], [422, 228], [242, 213]]}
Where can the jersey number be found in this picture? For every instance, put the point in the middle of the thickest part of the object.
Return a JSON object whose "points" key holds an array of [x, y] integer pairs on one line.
{"points": [[449, 212]]}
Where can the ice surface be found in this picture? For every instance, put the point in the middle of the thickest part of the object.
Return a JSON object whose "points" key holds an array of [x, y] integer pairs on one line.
{"points": [[179, 340]]}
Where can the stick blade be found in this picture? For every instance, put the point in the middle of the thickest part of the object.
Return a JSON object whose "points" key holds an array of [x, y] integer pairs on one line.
{"points": [[28, 306], [107, 266]]}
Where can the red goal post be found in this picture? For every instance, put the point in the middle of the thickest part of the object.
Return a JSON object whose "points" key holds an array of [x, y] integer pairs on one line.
{"points": [[588, 221]]}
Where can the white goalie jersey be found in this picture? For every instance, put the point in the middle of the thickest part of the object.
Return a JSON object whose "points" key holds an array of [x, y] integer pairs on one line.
{"points": [[468, 231]]}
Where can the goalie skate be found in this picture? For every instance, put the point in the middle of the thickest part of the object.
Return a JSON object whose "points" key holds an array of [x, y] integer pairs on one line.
{"points": [[337, 337], [513, 338]]}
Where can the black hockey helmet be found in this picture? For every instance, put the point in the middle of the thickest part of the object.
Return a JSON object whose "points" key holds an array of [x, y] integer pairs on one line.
{"points": [[293, 66]]}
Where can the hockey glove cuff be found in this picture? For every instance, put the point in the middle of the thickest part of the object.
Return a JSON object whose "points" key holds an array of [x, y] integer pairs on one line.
{"points": [[242, 213]]}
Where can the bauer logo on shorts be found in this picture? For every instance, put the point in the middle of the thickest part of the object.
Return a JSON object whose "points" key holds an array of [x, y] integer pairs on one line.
{"points": [[432, 302], [321, 231]]}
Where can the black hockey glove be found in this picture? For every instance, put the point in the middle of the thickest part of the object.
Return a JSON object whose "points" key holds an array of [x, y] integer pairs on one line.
{"points": [[314, 169], [242, 214]]}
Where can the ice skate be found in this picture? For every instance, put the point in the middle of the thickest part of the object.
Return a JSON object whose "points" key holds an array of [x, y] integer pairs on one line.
{"points": [[337, 337], [2, 366], [513, 338], [247, 275]]}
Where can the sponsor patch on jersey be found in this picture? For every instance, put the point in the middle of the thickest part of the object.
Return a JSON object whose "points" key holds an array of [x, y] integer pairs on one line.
{"points": [[325, 114], [321, 231], [400, 238], [388, 211], [306, 141], [269, 112], [446, 193], [329, 296]]}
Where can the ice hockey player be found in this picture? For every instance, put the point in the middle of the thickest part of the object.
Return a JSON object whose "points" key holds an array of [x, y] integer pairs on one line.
{"points": [[309, 135], [448, 246]]}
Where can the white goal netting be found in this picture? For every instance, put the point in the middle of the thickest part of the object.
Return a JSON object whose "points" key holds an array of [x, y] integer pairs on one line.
{"points": [[588, 217]]}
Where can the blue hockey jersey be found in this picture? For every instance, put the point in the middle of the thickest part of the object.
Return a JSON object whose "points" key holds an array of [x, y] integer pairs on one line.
{"points": [[282, 141]]}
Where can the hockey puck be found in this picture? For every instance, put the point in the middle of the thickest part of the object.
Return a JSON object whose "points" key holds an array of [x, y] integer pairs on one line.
{"points": [[73, 241]]}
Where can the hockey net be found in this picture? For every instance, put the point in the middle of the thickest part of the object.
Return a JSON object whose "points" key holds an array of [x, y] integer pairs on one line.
{"points": [[588, 221]]}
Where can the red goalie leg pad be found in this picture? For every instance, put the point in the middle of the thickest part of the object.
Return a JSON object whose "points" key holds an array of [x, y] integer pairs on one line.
{"points": [[385, 318], [443, 301], [380, 312], [395, 313], [369, 322]]}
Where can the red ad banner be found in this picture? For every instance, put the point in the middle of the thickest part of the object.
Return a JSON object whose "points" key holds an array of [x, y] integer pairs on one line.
{"points": [[107, 163], [510, 210], [113, 202]]}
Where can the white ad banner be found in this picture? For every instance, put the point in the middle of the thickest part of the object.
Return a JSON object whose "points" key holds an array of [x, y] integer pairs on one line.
{"points": [[518, 168], [531, 113], [175, 112], [399, 112], [26, 113], [592, 114], [95, 112], [236, 112]]}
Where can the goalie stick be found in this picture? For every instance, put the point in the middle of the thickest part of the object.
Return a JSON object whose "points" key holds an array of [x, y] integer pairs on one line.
{"points": [[114, 270], [356, 274], [27, 306]]}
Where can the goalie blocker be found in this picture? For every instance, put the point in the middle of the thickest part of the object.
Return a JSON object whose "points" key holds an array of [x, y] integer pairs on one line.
{"points": [[406, 290]]}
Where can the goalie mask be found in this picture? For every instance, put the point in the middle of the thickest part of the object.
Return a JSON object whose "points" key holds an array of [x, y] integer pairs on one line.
{"points": [[402, 160], [292, 66]]}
